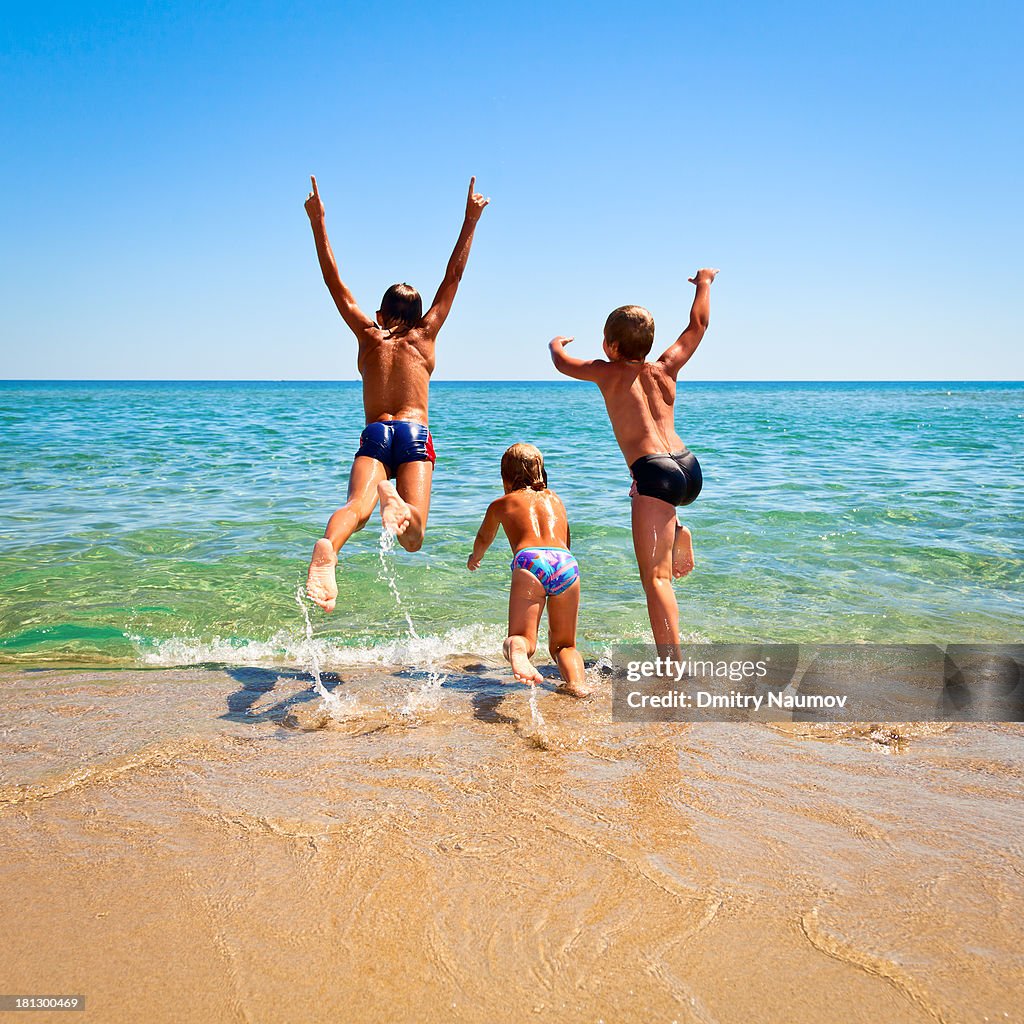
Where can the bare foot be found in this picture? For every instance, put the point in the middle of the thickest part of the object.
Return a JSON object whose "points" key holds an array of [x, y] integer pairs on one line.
{"points": [[395, 513], [575, 689], [522, 668], [682, 552], [321, 584]]}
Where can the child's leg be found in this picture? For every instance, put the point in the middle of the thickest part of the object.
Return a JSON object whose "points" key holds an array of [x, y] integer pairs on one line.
{"points": [[654, 534], [525, 604], [682, 552], [321, 584], [563, 610], [404, 508]]}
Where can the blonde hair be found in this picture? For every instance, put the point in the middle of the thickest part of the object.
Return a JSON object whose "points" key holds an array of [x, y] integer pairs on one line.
{"points": [[522, 466]]}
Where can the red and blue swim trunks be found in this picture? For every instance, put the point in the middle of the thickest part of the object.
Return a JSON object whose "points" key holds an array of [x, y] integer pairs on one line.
{"points": [[395, 442]]}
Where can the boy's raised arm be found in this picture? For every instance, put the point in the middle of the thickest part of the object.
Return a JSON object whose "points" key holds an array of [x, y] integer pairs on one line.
{"points": [[350, 312], [442, 304], [484, 538], [579, 369], [675, 357]]}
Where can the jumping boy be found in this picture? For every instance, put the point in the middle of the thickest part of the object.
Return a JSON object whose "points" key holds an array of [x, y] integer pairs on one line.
{"points": [[640, 399], [395, 360]]}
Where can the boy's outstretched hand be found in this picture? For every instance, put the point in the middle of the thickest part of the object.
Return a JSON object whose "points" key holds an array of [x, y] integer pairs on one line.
{"points": [[475, 203], [704, 276], [314, 207], [559, 341]]}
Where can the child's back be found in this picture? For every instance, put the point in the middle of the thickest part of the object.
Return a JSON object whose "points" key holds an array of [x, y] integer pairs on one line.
{"points": [[640, 399], [532, 519], [396, 368]]}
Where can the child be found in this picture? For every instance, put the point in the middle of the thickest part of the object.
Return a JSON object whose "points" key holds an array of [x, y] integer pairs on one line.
{"points": [[535, 523], [395, 360], [640, 399]]}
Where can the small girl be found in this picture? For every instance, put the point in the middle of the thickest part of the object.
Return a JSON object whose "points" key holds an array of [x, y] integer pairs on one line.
{"points": [[535, 523]]}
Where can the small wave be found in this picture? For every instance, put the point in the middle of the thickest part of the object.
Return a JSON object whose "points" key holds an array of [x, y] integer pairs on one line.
{"points": [[286, 649]]}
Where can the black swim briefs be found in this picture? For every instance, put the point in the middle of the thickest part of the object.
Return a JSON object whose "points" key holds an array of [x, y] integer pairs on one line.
{"points": [[673, 477]]}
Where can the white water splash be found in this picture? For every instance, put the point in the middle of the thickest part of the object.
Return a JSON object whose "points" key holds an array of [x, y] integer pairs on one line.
{"points": [[387, 547], [428, 695], [286, 648], [536, 731], [535, 715], [332, 703]]}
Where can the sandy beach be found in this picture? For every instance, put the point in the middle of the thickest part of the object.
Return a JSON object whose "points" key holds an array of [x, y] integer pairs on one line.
{"points": [[206, 844]]}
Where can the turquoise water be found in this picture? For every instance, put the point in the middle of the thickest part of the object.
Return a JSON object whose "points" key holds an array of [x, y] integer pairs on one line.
{"points": [[171, 523]]}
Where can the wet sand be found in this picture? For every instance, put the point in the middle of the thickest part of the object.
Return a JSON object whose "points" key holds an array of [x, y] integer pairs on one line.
{"points": [[205, 845]]}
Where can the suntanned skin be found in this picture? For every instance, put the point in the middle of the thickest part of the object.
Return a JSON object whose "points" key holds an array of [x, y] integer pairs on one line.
{"points": [[640, 399], [535, 519], [395, 361]]}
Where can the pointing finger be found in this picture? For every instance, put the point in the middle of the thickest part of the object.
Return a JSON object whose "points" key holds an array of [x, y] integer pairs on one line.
{"points": [[312, 178], [472, 184]]}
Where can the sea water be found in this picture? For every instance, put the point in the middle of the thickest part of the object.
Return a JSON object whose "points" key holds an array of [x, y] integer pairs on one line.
{"points": [[171, 523]]}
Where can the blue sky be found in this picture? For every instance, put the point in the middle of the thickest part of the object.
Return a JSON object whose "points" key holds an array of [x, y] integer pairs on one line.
{"points": [[853, 169]]}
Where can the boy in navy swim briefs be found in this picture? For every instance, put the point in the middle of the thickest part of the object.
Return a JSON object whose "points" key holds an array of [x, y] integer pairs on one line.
{"points": [[544, 570], [395, 360], [640, 398]]}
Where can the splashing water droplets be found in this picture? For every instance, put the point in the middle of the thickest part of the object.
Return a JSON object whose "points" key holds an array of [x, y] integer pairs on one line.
{"points": [[535, 715], [331, 702], [387, 547], [537, 732], [428, 695]]}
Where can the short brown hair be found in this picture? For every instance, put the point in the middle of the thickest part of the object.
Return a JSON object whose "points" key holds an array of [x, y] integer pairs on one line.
{"points": [[522, 466], [401, 304], [631, 330]]}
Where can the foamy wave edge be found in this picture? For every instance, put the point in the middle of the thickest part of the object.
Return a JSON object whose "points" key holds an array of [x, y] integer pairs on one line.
{"points": [[286, 649]]}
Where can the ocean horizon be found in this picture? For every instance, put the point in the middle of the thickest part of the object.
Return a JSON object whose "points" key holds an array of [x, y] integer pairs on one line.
{"points": [[497, 380]]}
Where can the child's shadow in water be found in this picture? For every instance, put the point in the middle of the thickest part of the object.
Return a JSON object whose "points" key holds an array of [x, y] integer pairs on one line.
{"points": [[255, 682], [486, 690], [490, 691]]}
